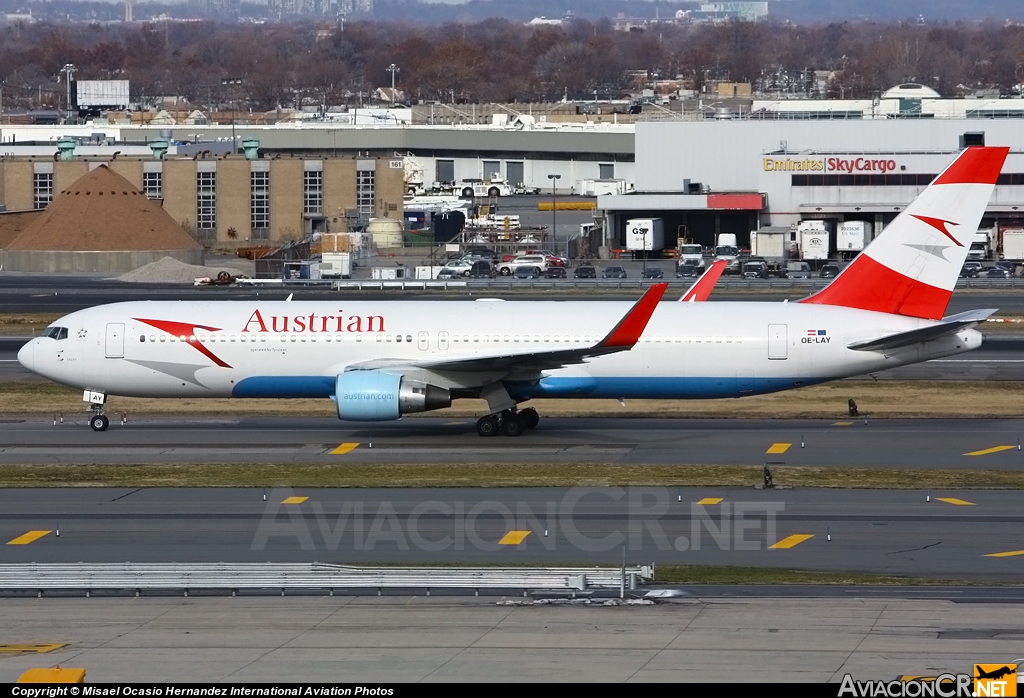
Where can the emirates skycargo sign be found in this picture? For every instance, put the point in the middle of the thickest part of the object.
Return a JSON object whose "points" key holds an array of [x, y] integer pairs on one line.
{"points": [[838, 165]]}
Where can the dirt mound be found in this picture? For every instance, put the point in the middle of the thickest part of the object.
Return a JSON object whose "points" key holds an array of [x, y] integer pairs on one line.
{"points": [[168, 270]]}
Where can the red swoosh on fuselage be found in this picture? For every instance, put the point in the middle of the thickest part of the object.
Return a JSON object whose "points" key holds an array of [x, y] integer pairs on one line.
{"points": [[187, 330]]}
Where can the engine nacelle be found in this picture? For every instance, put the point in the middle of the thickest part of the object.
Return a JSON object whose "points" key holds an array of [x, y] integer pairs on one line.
{"points": [[377, 396]]}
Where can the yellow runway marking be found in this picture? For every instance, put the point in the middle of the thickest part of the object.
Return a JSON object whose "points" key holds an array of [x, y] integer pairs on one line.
{"points": [[842, 424], [710, 500], [514, 538], [957, 502], [295, 500], [38, 649], [986, 451], [1012, 553], [27, 538], [789, 542], [778, 448], [344, 448]]}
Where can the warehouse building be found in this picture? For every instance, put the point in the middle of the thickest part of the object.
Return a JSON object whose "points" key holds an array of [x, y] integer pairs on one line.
{"points": [[704, 178]]}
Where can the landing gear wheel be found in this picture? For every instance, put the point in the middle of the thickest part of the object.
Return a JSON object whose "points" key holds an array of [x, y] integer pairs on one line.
{"points": [[530, 417], [487, 426], [512, 424], [99, 422]]}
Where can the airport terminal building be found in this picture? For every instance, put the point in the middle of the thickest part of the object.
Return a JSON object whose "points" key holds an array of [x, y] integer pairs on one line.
{"points": [[709, 177]]}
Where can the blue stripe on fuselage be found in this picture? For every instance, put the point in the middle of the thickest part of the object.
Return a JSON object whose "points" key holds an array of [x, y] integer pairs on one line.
{"points": [[553, 386]]}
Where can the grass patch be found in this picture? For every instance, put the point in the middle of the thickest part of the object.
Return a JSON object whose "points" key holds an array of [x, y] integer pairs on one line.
{"points": [[700, 574], [26, 323], [492, 475], [881, 399]]}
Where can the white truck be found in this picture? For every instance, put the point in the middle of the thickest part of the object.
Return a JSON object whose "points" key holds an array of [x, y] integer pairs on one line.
{"points": [[853, 236], [645, 234], [726, 247], [1013, 244], [813, 240], [981, 245], [692, 254], [335, 265]]}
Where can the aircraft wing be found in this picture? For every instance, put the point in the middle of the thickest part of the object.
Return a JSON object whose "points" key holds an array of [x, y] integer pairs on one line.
{"points": [[622, 337], [949, 325], [703, 286]]}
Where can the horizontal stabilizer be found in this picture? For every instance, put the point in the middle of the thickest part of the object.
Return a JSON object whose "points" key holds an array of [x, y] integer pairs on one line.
{"points": [[949, 325]]}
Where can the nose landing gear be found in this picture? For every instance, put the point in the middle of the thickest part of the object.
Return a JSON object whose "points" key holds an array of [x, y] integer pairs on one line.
{"points": [[98, 421], [508, 422]]}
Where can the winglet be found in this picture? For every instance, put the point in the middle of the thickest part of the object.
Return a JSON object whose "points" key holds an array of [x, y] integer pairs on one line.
{"points": [[703, 287], [627, 332]]}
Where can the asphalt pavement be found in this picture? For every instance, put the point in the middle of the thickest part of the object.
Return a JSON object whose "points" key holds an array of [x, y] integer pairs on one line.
{"points": [[930, 444], [965, 535]]}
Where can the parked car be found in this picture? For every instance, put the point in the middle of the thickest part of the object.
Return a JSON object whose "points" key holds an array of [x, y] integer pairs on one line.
{"points": [[459, 266], [553, 259], [689, 269], [555, 273], [613, 272], [481, 270], [798, 270], [829, 271], [526, 273], [971, 270], [996, 273], [585, 272], [448, 273], [756, 269], [527, 260], [653, 273]]}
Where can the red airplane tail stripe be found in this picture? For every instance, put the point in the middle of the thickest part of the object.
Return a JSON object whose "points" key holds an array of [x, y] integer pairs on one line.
{"points": [[869, 285]]}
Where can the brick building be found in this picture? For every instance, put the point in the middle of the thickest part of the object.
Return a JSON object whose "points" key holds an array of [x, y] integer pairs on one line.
{"points": [[231, 200]]}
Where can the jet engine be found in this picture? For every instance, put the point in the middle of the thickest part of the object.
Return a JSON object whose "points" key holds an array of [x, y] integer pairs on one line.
{"points": [[377, 396]]}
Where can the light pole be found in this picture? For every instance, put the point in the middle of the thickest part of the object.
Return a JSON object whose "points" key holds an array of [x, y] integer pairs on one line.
{"points": [[69, 71], [554, 230], [393, 69]]}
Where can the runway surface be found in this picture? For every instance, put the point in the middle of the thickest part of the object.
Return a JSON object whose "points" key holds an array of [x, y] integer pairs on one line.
{"points": [[966, 535], [918, 443], [412, 638]]}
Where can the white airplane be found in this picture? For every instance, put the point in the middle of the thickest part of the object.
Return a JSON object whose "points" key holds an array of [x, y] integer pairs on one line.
{"points": [[381, 359]]}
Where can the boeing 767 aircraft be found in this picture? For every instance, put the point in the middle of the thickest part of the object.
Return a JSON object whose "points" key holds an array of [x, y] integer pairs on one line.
{"points": [[379, 360]]}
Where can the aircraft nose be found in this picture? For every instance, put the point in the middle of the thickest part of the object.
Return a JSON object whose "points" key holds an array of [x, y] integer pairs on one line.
{"points": [[26, 355]]}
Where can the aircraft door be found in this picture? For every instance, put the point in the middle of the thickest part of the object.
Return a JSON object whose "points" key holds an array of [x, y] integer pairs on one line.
{"points": [[423, 341], [442, 341], [778, 342], [115, 340]]}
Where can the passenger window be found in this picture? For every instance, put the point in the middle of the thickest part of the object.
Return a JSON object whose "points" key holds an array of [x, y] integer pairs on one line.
{"points": [[398, 338], [379, 338], [389, 338], [142, 338], [263, 337], [408, 338], [152, 338], [163, 338]]}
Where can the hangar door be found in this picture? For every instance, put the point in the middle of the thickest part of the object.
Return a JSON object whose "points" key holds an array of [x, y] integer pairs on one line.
{"points": [[778, 344], [115, 340], [515, 173]]}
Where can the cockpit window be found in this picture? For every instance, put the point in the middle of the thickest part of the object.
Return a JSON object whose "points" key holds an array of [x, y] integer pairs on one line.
{"points": [[56, 332]]}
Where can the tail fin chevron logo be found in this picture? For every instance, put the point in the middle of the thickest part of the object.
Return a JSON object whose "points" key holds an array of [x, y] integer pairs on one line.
{"points": [[909, 269], [939, 225]]}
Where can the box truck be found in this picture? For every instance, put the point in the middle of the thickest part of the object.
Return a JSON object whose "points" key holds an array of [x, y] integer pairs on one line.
{"points": [[645, 234], [853, 236], [335, 265], [769, 243], [813, 240], [1013, 244]]}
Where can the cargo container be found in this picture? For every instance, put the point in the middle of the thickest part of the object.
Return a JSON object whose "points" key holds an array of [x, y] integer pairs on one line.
{"points": [[853, 236], [1013, 244], [645, 234], [770, 243], [335, 265]]}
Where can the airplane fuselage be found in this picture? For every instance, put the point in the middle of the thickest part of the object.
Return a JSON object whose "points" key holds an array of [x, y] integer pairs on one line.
{"points": [[297, 349]]}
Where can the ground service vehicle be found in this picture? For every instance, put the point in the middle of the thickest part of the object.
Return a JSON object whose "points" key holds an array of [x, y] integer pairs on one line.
{"points": [[379, 360], [335, 265], [691, 253], [1013, 244]]}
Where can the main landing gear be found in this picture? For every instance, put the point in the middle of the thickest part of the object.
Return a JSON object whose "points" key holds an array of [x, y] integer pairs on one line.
{"points": [[508, 422]]}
